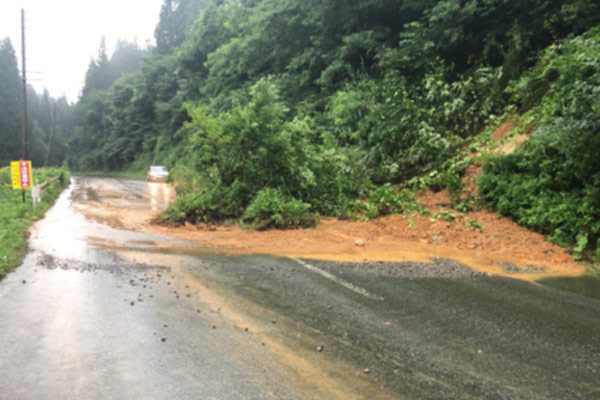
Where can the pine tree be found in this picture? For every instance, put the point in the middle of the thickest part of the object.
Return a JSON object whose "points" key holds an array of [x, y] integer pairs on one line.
{"points": [[10, 98], [99, 75]]}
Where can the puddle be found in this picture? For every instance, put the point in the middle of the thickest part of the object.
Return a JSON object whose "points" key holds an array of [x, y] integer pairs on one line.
{"points": [[67, 234], [587, 285]]}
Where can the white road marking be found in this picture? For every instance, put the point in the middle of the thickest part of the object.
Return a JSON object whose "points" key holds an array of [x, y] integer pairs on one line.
{"points": [[339, 281]]}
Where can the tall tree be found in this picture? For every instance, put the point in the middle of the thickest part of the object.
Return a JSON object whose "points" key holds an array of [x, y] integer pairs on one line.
{"points": [[176, 19], [127, 58], [10, 98], [63, 124], [99, 75]]}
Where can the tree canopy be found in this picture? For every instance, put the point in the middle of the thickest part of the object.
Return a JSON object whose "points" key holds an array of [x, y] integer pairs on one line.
{"points": [[10, 103], [50, 121]]}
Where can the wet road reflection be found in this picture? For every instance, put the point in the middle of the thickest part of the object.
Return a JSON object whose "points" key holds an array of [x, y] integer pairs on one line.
{"points": [[94, 313], [160, 195], [101, 312]]}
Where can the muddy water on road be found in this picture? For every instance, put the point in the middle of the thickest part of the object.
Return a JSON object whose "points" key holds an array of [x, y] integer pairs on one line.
{"points": [[99, 311], [502, 248], [96, 312], [66, 232]]}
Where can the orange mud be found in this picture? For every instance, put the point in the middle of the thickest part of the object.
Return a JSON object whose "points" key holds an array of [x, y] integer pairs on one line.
{"points": [[500, 243], [392, 239]]}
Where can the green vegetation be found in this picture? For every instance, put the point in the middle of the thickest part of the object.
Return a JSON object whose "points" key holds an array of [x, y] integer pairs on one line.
{"points": [[474, 224], [50, 121], [271, 209], [551, 184], [336, 108], [386, 199], [275, 112], [16, 216]]}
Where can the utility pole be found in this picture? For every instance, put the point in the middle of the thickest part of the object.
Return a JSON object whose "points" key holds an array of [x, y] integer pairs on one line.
{"points": [[24, 141]]}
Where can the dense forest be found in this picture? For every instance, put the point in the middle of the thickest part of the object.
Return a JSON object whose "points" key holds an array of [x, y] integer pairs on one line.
{"points": [[276, 112], [50, 121]]}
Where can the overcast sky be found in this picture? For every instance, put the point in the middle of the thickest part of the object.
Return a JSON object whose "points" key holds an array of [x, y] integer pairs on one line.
{"points": [[62, 36]]}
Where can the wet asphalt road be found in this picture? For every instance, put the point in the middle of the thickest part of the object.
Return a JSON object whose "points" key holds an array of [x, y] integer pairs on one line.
{"points": [[102, 313]]}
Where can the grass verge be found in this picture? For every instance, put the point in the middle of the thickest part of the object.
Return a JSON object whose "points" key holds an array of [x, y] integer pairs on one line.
{"points": [[16, 217]]}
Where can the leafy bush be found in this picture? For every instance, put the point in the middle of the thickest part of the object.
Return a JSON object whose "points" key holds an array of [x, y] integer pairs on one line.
{"points": [[412, 127], [271, 209], [386, 199], [445, 215], [209, 205], [474, 224], [466, 204], [552, 182], [235, 155], [581, 242], [405, 133]]}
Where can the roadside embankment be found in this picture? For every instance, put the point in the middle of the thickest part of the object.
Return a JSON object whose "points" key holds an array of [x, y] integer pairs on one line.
{"points": [[17, 216]]}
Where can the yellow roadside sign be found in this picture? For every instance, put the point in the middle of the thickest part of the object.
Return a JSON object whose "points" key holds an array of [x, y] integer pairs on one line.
{"points": [[21, 175]]}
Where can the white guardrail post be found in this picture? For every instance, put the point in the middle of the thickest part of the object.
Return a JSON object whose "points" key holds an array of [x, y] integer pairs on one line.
{"points": [[37, 192]]}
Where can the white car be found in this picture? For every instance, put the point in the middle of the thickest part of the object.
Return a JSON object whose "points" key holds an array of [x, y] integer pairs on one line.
{"points": [[157, 173]]}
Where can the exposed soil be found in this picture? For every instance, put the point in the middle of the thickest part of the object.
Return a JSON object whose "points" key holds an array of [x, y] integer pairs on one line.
{"points": [[505, 130], [501, 248], [479, 239]]}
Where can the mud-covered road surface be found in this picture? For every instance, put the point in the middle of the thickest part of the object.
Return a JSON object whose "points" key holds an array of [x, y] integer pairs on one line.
{"points": [[100, 312]]}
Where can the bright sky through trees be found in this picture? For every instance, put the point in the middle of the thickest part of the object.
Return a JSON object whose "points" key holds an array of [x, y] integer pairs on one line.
{"points": [[64, 35]]}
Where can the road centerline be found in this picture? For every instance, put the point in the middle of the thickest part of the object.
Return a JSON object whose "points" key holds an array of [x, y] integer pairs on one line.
{"points": [[339, 281]]}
